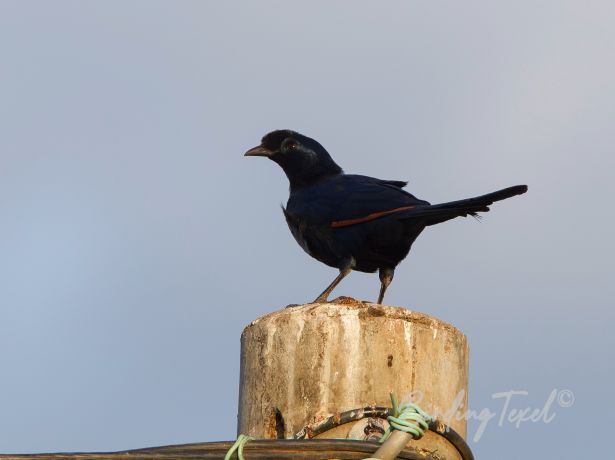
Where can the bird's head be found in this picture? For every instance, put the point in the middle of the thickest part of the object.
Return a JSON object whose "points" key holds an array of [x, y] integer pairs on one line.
{"points": [[303, 160]]}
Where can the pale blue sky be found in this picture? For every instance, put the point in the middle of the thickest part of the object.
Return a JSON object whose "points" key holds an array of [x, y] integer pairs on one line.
{"points": [[136, 242]]}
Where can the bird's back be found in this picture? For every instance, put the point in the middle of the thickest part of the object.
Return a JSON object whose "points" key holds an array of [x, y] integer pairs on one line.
{"points": [[344, 197]]}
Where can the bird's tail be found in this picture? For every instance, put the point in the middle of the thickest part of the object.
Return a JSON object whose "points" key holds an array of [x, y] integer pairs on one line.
{"points": [[437, 213]]}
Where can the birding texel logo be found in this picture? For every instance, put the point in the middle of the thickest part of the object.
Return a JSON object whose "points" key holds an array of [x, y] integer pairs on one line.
{"points": [[512, 409]]}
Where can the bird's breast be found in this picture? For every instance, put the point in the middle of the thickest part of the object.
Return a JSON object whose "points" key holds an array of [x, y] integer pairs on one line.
{"points": [[317, 240]]}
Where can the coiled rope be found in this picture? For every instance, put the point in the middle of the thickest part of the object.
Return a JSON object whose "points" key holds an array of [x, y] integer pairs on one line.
{"points": [[408, 418]]}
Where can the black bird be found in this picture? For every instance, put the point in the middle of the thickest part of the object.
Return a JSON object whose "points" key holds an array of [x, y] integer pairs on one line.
{"points": [[354, 222]]}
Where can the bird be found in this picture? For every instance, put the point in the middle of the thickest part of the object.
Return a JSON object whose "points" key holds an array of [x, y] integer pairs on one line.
{"points": [[355, 222]]}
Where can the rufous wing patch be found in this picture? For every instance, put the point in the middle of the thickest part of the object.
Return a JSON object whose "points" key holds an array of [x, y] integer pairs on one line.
{"points": [[369, 217]]}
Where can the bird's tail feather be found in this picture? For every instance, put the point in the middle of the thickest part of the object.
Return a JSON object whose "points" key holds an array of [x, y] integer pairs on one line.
{"points": [[437, 213]]}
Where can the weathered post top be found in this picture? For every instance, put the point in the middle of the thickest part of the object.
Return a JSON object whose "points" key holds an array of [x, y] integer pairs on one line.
{"points": [[323, 370]]}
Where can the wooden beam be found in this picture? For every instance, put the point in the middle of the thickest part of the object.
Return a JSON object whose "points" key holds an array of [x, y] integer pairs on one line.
{"points": [[262, 449]]}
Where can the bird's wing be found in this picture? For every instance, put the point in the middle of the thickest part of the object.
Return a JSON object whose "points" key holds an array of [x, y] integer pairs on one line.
{"points": [[394, 183], [352, 199]]}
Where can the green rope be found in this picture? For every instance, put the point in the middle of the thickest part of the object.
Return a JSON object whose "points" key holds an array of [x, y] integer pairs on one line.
{"points": [[242, 440], [409, 418]]}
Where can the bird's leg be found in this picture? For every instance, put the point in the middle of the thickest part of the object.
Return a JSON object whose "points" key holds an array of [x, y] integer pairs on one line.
{"points": [[325, 294], [386, 276]]}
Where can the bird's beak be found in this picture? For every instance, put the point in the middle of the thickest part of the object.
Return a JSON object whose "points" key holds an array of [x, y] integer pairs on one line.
{"points": [[258, 151]]}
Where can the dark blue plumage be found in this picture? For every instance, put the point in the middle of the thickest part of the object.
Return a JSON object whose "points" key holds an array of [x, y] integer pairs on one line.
{"points": [[354, 222]]}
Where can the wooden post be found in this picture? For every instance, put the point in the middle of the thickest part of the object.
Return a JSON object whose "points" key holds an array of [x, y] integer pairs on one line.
{"points": [[323, 370]]}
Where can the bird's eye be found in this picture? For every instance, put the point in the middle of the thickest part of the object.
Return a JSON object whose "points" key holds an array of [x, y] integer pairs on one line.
{"points": [[291, 146]]}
